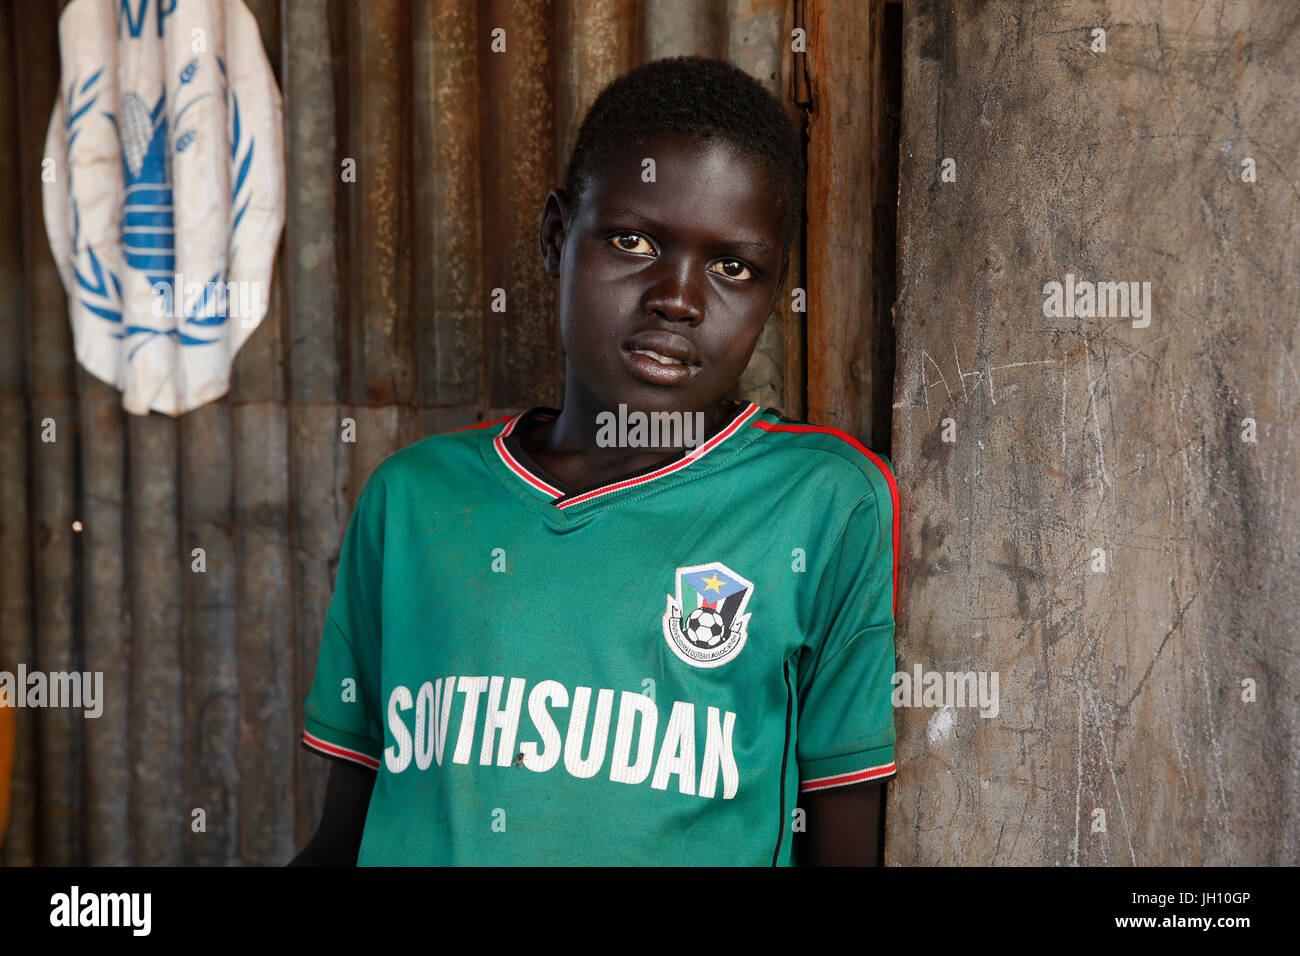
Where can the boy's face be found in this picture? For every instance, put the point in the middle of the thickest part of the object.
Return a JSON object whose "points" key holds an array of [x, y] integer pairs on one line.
{"points": [[687, 266]]}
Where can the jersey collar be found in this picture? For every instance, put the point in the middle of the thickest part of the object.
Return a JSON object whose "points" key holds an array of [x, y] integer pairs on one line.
{"points": [[511, 454]]}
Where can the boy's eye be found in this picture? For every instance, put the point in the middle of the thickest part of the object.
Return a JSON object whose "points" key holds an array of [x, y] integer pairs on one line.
{"points": [[732, 269], [634, 243]]}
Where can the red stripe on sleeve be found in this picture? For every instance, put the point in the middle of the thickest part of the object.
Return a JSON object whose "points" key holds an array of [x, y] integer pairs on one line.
{"points": [[844, 779], [334, 750]]}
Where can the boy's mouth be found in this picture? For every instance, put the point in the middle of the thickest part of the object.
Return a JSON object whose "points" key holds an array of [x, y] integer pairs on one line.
{"points": [[661, 358], [656, 368]]}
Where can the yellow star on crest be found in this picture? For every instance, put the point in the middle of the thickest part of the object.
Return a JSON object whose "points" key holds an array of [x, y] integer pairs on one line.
{"points": [[714, 583]]}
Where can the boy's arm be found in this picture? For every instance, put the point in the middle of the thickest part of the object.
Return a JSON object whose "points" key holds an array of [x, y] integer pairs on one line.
{"points": [[338, 838], [846, 718], [341, 713], [843, 826]]}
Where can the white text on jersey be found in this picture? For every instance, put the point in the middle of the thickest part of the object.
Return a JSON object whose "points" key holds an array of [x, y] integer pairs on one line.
{"points": [[425, 744]]}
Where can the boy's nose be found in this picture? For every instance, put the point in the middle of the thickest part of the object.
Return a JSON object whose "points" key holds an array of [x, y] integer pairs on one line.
{"points": [[674, 294]]}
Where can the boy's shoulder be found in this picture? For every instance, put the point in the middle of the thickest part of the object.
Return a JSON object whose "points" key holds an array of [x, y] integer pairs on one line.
{"points": [[837, 458]]}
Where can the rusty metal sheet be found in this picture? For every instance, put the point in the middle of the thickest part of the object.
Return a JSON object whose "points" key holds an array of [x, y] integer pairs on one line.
{"points": [[211, 647], [51, 383], [310, 262], [447, 270], [518, 143], [103, 511], [682, 28], [377, 137], [16, 638]]}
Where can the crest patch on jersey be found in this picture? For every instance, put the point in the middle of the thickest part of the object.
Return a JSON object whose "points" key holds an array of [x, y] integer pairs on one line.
{"points": [[715, 624]]}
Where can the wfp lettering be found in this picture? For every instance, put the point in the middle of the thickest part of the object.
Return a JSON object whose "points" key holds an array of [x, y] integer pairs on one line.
{"points": [[492, 728]]}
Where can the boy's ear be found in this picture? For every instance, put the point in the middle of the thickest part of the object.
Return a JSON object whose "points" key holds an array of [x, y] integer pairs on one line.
{"points": [[555, 226]]}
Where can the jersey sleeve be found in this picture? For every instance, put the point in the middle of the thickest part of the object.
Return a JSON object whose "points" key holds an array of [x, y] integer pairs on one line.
{"points": [[342, 711], [846, 718]]}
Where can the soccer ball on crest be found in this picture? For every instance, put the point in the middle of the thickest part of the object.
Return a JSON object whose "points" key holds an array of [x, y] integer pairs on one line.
{"points": [[705, 627]]}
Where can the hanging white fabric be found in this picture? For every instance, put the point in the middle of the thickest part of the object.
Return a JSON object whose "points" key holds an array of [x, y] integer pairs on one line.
{"points": [[164, 192]]}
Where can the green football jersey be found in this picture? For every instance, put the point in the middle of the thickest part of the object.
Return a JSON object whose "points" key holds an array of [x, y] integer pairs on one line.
{"points": [[648, 672]]}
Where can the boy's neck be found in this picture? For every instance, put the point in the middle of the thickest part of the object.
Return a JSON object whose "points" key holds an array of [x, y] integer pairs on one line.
{"points": [[576, 429]]}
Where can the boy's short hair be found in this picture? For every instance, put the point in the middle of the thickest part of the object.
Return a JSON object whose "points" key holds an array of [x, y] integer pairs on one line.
{"points": [[697, 97]]}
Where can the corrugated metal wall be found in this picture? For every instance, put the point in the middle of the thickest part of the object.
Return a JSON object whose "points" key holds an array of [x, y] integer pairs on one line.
{"points": [[379, 314]]}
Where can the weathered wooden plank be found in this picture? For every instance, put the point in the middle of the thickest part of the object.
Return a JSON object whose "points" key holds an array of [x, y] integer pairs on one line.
{"points": [[844, 62], [16, 624], [51, 384], [1083, 436], [446, 232], [518, 117]]}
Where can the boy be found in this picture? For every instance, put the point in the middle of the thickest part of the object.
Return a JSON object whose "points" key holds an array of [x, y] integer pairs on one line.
{"points": [[546, 650]]}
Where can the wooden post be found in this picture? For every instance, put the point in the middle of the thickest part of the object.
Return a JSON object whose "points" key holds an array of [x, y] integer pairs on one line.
{"points": [[850, 262]]}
